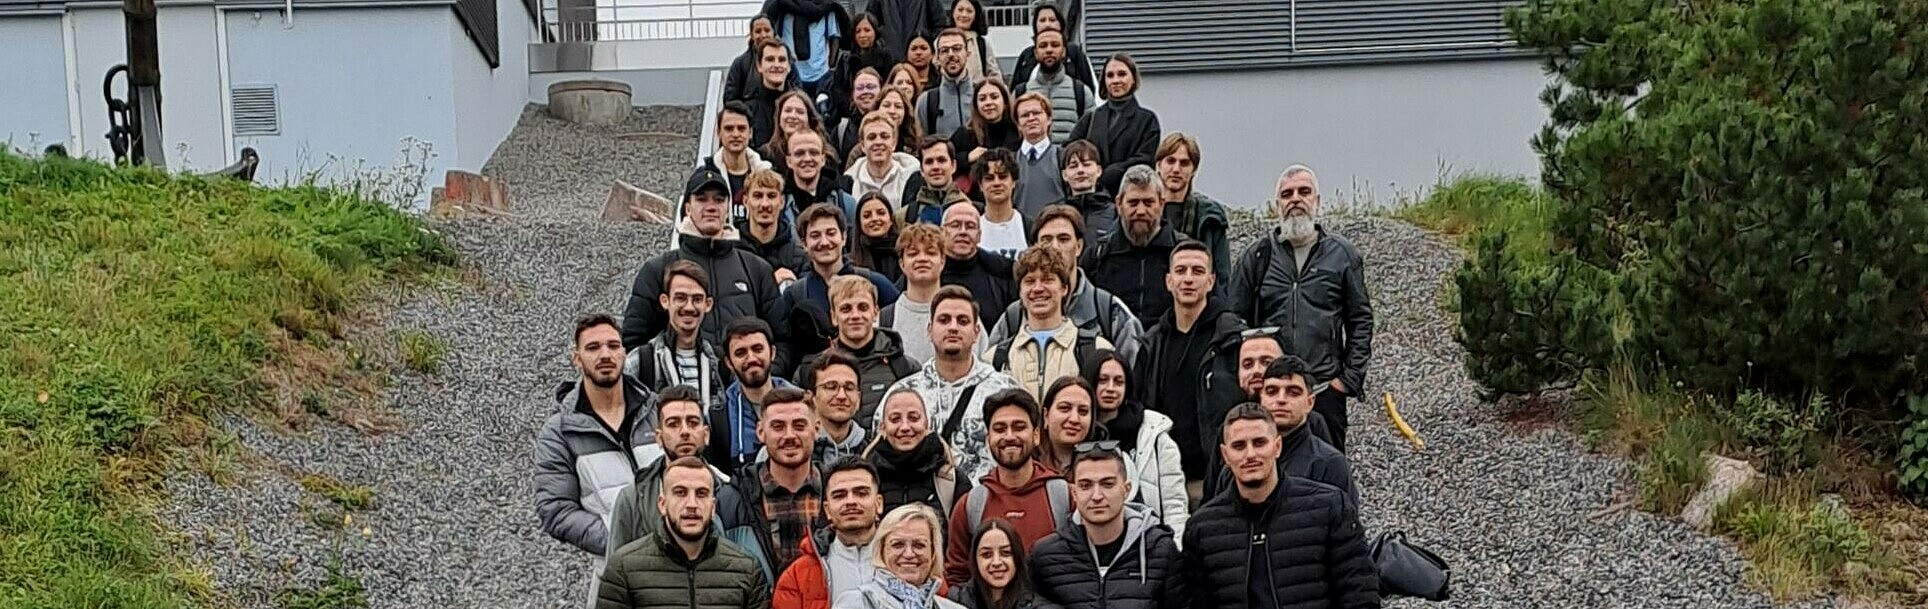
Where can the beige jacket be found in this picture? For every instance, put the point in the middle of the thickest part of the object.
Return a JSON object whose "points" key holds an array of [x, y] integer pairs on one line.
{"points": [[1035, 370]]}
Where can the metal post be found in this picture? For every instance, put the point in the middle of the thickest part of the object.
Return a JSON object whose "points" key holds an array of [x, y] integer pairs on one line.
{"points": [[144, 80]]}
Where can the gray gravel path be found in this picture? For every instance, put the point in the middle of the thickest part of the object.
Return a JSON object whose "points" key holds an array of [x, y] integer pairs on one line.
{"points": [[452, 524]]}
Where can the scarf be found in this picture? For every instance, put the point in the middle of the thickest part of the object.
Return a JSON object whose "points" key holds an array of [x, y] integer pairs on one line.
{"points": [[802, 13], [908, 596], [925, 458]]}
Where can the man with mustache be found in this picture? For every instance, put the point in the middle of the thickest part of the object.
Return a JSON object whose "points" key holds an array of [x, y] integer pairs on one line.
{"points": [[1072, 565], [1257, 349], [680, 357], [1131, 262], [689, 549], [747, 351], [681, 431], [1021, 490], [920, 255], [1187, 369], [946, 106], [1312, 285], [1272, 540], [783, 492], [1048, 345], [805, 303], [837, 558], [591, 447], [966, 263], [1070, 98], [874, 356], [954, 384]]}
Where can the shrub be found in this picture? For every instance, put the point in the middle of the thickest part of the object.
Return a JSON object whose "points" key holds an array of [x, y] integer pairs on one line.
{"points": [[1786, 436], [1914, 449], [1753, 174]]}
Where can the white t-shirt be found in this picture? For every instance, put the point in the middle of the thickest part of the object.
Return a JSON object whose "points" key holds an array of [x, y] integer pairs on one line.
{"points": [[1007, 239]]}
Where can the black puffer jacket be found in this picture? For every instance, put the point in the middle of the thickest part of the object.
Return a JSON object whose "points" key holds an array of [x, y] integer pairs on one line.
{"points": [[654, 572], [987, 275], [1126, 134], [1100, 215], [924, 475], [1325, 312], [966, 595], [741, 284], [1144, 574], [1314, 550], [1305, 455], [1134, 274]]}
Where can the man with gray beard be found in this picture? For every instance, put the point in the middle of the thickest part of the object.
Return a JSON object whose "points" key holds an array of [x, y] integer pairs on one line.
{"points": [[1312, 286]]}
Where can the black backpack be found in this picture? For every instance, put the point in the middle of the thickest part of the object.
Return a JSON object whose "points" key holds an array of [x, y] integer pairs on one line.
{"points": [[1086, 346]]}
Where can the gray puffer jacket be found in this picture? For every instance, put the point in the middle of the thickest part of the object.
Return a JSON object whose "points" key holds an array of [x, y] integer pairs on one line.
{"points": [[1324, 312], [581, 467]]}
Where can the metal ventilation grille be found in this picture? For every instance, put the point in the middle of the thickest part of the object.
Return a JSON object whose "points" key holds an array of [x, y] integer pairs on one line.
{"points": [[1207, 35], [257, 110]]}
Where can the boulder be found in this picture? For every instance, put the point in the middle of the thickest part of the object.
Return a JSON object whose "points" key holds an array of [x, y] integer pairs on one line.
{"points": [[627, 203], [590, 102], [464, 194], [1725, 478]]}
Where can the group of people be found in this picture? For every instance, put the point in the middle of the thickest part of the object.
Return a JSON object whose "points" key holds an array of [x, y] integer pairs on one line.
{"points": [[1013, 388]]}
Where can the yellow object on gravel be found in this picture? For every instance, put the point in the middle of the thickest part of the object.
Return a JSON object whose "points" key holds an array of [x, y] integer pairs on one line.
{"points": [[1392, 412]]}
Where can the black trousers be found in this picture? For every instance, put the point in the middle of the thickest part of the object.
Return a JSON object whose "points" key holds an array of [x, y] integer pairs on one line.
{"points": [[1332, 405]]}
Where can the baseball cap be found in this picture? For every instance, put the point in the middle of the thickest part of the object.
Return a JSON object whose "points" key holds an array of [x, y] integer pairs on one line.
{"points": [[705, 176]]}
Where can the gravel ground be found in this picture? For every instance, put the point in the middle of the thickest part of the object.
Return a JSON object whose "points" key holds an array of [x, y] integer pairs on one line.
{"points": [[1510, 509], [453, 526]]}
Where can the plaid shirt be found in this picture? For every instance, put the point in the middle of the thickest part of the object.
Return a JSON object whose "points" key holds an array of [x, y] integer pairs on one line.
{"points": [[792, 514]]}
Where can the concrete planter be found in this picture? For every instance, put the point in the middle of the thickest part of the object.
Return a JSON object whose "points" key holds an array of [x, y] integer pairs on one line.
{"points": [[590, 102]]}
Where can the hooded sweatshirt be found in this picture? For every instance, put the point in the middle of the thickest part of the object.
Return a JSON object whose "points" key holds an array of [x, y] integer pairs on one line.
{"points": [[879, 365], [754, 161], [741, 284], [941, 398], [891, 185], [1143, 574], [1093, 309], [1157, 475], [782, 251], [1028, 508], [925, 474]]}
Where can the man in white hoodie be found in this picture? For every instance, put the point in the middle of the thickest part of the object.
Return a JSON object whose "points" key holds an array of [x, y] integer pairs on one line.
{"points": [[954, 384], [883, 169]]}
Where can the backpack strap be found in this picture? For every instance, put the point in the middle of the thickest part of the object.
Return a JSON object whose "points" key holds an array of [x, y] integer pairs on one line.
{"points": [[1058, 493], [1085, 347], [974, 506], [934, 97], [1001, 353], [957, 413], [1078, 93], [888, 318]]}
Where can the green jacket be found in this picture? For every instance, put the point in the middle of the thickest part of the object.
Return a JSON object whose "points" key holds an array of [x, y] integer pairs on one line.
{"points": [[652, 573]]}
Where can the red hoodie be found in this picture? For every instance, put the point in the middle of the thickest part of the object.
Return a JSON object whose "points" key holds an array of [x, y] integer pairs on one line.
{"points": [[1027, 508]]}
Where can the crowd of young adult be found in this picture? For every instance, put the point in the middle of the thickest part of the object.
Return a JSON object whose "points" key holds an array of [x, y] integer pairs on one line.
{"points": [[1028, 370]]}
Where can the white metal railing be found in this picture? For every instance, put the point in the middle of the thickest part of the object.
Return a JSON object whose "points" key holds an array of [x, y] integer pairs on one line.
{"points": [[685, 19]]}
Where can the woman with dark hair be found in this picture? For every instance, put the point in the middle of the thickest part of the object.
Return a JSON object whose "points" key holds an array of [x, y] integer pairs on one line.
{"points": [[1125, 133], [864, 48], [1000, 575], [1144, 436], [874, 244], [899, 102], [980, 61], [921, 56], [1068, 422], [991, 126], [795, 113], [864, 87]]}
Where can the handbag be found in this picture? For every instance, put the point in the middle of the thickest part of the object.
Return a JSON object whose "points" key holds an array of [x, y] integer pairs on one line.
{"points": [[1409, 570]]}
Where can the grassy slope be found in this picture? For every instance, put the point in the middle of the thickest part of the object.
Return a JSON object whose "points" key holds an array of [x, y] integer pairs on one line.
{"points": [[132, 305]]}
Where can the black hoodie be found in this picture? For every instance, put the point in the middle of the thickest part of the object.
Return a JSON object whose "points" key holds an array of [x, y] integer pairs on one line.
{"points": [[879, 365], [741, 284], [987, 275], [782, 252]]}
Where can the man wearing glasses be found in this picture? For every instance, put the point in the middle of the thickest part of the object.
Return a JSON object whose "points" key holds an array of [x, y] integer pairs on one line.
{"points": [[1312, 284], [833, 390], [1072, 566], [679, 356], [947, 105]]}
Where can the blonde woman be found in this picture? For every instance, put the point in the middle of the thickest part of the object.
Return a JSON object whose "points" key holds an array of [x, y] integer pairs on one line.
{"points": [[909, 568]]}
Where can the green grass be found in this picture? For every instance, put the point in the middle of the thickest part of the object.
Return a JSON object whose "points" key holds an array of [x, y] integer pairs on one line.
{"points": [[337, 590], [133, 305], [1797, 547], [349, 497], [1663, 430], [421, 351], [1472, 205]]}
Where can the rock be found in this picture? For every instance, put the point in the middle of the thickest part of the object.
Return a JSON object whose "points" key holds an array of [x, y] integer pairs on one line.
{"points": [[1725, 477], [590, 102], [464, 194], [627, 203]]}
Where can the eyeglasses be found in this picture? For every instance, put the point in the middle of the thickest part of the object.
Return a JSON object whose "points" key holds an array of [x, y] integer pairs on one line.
{"points": [[837, 387], [1101, 446], [687, 299]]}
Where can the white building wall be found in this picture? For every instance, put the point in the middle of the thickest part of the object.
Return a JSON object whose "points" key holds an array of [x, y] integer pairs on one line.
{"points": [[1374, 133], [387, 80], [33, 84], [488, 101]]}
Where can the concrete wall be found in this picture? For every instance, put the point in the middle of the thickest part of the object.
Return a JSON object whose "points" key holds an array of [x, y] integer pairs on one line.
{"points": [[488, 101], [387, 82], [655, 87], [191, 94], [1373, 133], [35, 92]]}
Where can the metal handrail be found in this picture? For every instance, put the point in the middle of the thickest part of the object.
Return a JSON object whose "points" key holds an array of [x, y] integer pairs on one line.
{"points": [[686, 19]]}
